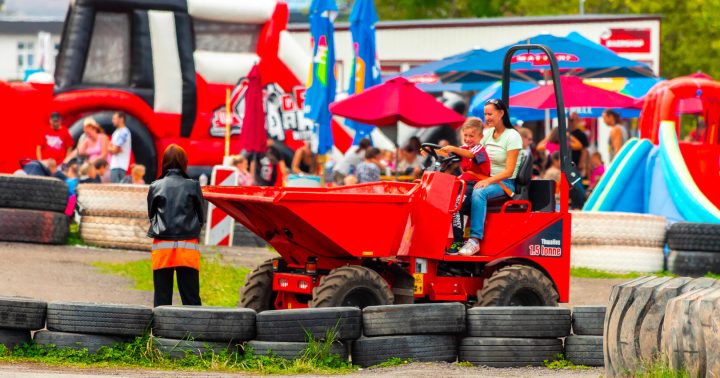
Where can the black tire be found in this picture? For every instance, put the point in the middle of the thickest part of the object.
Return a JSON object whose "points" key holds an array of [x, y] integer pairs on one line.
{"points": [[518, 285], [13, 337], [635, 316], [693, 264], [352, 286], [22, 313], [257, 293], [414, 319], [143, 144], [525, 322], [204, 323], [290, 350], [508, 352], [180, 348], [33, 193], [419, 348], [296, 325], [76, 341], [685, 236], [33, 226], [101, 319], [588, 320], [584, 350]]}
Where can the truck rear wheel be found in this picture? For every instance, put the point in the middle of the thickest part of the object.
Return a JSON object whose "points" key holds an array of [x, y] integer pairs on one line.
{"points": [[353, 286], [518, 285], [257, 293]]}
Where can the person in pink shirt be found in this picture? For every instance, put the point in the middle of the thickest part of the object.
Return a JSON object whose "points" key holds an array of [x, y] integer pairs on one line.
{"points": [[597, 169]]}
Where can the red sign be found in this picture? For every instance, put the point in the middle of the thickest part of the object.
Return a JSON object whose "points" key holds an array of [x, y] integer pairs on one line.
{"points": [[626, 40], [541, 59]]}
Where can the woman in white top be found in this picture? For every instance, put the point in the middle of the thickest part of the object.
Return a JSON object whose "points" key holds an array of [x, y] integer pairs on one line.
{"points": [[503, 144]]}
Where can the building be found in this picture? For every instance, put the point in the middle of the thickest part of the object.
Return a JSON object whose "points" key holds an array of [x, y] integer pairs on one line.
{"points": [[404, 44], [19, 43]]}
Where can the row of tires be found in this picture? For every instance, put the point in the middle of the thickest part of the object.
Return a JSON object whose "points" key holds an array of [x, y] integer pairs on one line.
{"points": [[32, 209], [500, 336], [650, 315], [695, 249]]}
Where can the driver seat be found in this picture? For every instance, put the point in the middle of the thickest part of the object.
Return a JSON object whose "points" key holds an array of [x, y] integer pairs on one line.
{"points": [[522, 188]]}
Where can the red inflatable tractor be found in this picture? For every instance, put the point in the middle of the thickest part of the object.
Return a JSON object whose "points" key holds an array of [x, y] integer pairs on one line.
{"points": [[384, 243]]}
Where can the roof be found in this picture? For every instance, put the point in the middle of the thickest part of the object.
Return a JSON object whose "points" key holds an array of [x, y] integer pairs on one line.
{"points": [[496, 21], [30, 25]]}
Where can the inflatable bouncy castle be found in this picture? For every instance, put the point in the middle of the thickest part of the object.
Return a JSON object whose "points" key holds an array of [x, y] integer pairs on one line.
{"points": [[670, 171], [168, 65]]}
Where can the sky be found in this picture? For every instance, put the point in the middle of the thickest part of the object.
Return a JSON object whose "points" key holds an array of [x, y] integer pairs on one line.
{"points": [[55, 8]]}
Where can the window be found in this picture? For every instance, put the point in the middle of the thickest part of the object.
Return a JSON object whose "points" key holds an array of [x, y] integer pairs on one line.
{"points": [[25, 57], [108, 59], [225, 37]]}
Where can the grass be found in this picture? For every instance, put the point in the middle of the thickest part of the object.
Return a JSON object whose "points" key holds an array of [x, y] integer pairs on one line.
{"points": [[141, 353], [219, 282], [595, 273], [74, 235], [658, 369], [393, 361], [561, 363]]}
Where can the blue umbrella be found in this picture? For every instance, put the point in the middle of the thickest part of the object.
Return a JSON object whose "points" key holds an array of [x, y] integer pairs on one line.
{"points": [[322, 86], [365, 67], [425, 77], [573, 57]]}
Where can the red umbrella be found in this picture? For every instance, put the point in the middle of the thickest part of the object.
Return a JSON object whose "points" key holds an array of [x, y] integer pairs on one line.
{"points": [[253, 136], [396, 100], [576, 95]]}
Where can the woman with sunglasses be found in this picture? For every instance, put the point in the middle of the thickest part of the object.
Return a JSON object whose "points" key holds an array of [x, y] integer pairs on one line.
{"points": [[503, 144]]}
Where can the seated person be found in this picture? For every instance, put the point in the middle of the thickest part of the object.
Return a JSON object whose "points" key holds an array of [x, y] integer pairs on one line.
{"points": [[503, 144], [369, 170], [304, 161], [88, 174], [475, 166], [410, 164], [136, 175]]}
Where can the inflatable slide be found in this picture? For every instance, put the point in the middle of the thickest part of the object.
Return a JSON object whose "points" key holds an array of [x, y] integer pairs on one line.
{"points": [[664, 179]]}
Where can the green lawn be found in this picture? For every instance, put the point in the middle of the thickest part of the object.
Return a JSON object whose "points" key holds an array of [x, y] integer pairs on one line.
{"points": [[219, 282]]}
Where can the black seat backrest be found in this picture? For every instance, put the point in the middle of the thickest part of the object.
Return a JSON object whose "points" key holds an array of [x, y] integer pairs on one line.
{"points": [[524, 175]]}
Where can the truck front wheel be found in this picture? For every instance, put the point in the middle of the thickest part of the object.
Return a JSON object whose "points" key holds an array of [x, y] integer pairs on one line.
{"points": [[257, 293], [518, 285], [353, 286]]}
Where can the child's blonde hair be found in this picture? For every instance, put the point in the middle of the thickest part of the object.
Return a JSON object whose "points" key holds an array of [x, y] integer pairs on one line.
{"points": [[473, 123], [137, 169]]}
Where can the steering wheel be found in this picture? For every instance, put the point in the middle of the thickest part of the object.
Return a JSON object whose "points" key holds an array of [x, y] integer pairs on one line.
{"points": [[442, 163]]}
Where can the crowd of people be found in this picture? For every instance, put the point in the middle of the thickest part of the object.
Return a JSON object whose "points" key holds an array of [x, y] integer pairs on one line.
{"points": [[95, 158]]}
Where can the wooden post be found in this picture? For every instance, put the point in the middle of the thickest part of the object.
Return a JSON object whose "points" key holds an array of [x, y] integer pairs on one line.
{"points": [[227, 122]]}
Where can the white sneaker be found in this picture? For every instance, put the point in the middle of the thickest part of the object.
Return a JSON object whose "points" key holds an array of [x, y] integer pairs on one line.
{"points": [[470, 248]]}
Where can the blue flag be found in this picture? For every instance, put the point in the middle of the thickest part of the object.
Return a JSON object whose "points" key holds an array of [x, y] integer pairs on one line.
{"points": [[322, 85], [365, 67]]}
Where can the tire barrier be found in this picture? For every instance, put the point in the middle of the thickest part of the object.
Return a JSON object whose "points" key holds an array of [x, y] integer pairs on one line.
{"points": [[618, 258], [702, 237], [113, 200], [623, 229], [442, 332], [634, 320], [114, 216], [693, 263], [588, 320], [297, 325], [116, 232], [32, 209]]}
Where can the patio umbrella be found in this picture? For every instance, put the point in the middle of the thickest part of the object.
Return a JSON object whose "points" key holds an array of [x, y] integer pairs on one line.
{"points": [[365, 67], [426, 78], [396, 100], [573, 58], [576, 94], [322, 85], [253, 136]]}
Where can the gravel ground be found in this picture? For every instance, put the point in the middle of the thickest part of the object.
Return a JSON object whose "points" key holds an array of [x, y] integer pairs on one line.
{"points": [[65, 273]]}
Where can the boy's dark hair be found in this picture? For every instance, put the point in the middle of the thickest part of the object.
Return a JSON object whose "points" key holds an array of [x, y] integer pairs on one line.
{"points": [[615, 115], [121, 115], [372, 153], [100, 163]]}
